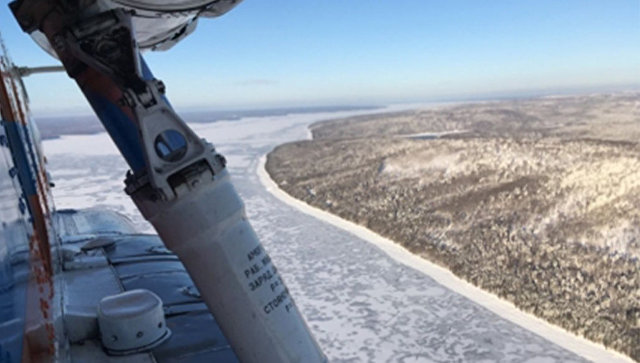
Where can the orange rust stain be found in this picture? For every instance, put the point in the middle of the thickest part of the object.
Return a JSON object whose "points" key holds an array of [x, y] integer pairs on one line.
{"points": [[39, 312], [40, 288]]}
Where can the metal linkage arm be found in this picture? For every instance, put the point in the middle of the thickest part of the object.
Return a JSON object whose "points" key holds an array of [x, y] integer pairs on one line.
{"points": [[105, 42]]}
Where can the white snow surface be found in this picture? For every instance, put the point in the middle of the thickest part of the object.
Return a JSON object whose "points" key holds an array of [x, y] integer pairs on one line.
{"points": [[365, 298]]}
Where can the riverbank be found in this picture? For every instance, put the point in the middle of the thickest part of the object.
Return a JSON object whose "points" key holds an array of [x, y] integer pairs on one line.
{"points": [[534, 210], [501, 307]]}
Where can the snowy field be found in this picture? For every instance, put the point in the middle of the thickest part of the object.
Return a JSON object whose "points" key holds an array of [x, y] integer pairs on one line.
{"points": [[363, 301]]}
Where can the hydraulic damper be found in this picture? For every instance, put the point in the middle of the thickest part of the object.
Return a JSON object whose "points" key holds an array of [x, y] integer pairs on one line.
{"points": [[177, 180]]}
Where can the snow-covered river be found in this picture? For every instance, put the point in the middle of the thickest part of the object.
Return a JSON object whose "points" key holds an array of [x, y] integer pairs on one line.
{"points": [[362, 303]]}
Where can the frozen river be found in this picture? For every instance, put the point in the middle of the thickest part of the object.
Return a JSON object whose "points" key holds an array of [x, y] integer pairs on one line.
{"points": [[361, 303]]}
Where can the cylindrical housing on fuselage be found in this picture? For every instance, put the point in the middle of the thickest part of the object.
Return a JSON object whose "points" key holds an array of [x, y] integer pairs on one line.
{"points": [[208, 229]]}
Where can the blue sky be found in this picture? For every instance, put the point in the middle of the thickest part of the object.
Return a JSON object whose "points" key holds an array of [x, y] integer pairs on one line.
{"points": [[274, 53]]}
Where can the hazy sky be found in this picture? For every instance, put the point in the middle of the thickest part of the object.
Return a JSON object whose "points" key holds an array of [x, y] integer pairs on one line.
{"points": [[268, 53]]}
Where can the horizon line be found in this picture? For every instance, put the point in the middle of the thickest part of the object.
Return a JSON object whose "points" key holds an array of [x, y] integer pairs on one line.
{"points": [[491, 96]]}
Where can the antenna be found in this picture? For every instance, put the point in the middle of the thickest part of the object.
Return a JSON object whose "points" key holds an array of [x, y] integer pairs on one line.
{"points": [[27, 71]]}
